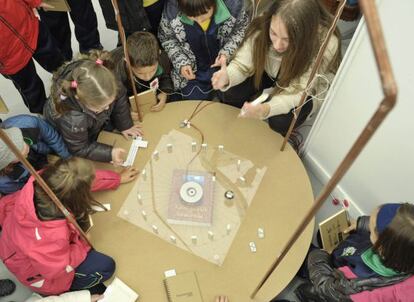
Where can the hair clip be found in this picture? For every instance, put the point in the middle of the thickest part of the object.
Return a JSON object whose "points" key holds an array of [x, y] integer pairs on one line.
{"points": [[99, 62], [74, 84]]}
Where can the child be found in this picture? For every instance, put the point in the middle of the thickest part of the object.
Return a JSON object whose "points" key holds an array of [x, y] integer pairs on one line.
{"points": [[39, 246], [375, 263], [35, 138], [24, 38], [278, 52], [197, 34], [148, 64], [85, 98]]}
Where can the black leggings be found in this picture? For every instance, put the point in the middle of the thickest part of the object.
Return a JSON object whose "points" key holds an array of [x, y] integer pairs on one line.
{"points": [[245, 91]]}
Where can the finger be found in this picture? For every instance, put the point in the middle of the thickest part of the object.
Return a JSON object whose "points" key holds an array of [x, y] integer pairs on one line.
{"points": [[125, 134]]}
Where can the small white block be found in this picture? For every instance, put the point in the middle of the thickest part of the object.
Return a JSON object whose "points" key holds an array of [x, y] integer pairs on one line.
{"points": [[139, 198], [173, 239], [194, 239], [156, 155], [213, 178], [228, 228], [126, 212], [216, 257], [144, 174], [238, 164], [221, 147], [170, 273], [252, 246], [210, 235], [260, 233], [144, 214], [204, 147], [155, 229], [242, 179], [169, 148], [193, 146]]}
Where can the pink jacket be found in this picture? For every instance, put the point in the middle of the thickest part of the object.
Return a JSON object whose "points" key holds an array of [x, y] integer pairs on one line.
{"points": [[400, 292], [43, 254]]}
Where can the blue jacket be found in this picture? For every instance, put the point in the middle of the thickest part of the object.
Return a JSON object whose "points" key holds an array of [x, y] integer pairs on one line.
{"points": [[42, 139]]}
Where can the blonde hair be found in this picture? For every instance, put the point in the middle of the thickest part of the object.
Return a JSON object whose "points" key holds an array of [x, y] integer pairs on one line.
{"points": [[71, 181], [86, 79]]}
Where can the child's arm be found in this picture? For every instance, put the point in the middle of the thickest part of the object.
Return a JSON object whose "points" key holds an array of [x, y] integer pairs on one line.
{"points": [[171, 44], [236, 36], [74, 131], [121, 113], [166, 84]]}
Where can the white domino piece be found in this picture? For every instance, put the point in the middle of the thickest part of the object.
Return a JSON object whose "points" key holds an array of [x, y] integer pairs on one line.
{"points": [[213, 178], [210, 235], [169, 148], [204, 147], [155, 229], [173, 239], [242, 179], [238, 164], [156, 155], [252, 246], [144, 214], [228, 228], [216, 257], [194, 239], [221, 148], [194, 146], [139, 198], [260, 233], [144, 174]]}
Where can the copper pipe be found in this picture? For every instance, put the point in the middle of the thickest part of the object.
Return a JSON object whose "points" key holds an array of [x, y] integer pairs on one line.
{"points": [[43, 184], [128, 62], [390, 97], [315, 68]]}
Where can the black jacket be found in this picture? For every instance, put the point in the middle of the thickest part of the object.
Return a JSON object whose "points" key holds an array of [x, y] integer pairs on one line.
{"points": [[133, 15], [80, 126], [330, 284]]}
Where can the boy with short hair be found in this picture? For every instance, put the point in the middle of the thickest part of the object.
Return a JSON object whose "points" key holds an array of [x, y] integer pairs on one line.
{"points": [[197, 35], [149, 66]]}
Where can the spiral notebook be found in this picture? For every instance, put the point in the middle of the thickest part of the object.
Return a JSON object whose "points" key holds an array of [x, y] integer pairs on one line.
{"points": [[183, 288]]}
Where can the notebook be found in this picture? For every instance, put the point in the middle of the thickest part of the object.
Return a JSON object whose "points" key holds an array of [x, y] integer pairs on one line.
{"points": [[146, 100], [118, 291], [58, 5], [183, 288], [332, 230]]}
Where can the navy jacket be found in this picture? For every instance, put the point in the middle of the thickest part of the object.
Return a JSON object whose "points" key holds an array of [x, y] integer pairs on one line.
{"points": [[42, 139]]}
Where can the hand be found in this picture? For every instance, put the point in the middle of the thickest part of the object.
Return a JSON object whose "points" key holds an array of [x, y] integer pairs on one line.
{"points": [[134, 116], [45, 5], [128, 175], [351, 228], [95, 298], [187, 72], [134, 131], [118, 156], [222, 299], [258, 111], [220, 61], [162, 99], [220, 79]]}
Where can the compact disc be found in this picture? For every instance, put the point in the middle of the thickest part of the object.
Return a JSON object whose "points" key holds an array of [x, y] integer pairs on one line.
{"points": [[191, 192]]}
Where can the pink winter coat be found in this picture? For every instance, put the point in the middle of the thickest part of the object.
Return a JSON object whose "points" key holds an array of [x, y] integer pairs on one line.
{"points": [[400, 292], [43, 254]]}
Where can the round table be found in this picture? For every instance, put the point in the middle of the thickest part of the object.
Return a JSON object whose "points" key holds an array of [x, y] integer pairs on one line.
{"points": [[281, 200]]}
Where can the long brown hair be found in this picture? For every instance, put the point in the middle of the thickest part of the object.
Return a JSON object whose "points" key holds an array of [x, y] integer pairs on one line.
{"points": [[395, 244], [95, 83], [304, 19], [71, 180]]}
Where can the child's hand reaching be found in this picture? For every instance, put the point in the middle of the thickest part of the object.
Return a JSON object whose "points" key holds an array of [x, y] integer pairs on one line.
{"points": [[95, 298], [187, 72], [220, 79], [351, 228], [162, 99], [118, 156], [222, 299], [134, 131], [128, 175]]}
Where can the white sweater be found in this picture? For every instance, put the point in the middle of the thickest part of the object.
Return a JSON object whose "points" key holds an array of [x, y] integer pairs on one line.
{"points": [[77, 296], [241, 67]]}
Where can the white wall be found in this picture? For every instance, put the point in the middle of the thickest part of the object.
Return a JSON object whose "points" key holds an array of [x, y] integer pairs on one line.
{"points": [[384, 171], [10, 94]]}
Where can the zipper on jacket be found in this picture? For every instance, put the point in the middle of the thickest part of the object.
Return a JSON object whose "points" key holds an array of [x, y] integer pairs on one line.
{"points": [[4, 261], [17, 35]]}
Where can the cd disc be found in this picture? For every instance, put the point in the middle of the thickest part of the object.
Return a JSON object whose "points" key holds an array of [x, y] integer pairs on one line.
{"points": [[191, 192]]}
